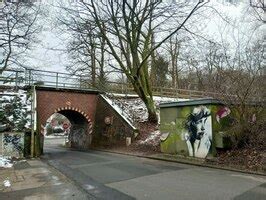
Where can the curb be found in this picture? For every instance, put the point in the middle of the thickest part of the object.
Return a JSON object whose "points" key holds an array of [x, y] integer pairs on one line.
{"points": [[188, 162]]}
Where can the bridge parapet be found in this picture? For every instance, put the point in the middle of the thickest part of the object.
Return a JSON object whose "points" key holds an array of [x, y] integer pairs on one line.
{"points": [[29, 77]]}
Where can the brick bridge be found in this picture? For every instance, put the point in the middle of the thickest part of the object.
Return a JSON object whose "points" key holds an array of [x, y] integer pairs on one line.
{"points": [[87, 110]]}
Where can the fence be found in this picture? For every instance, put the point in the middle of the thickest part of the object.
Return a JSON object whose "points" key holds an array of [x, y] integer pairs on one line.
{"points": [[30, 77]]}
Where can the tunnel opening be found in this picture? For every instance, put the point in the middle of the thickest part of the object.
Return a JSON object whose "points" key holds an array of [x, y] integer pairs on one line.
{"points": [[77, 130], [57, 125]]}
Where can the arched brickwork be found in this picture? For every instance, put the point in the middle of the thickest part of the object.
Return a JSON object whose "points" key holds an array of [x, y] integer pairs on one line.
{"points": [[70, 108], [67, 102]]}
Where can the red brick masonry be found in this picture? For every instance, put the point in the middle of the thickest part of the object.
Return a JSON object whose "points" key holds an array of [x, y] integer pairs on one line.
{"points": [[49, 102]]}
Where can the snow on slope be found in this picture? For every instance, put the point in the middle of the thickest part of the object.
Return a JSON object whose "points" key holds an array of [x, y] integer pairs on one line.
{"points": [[133, 109]]}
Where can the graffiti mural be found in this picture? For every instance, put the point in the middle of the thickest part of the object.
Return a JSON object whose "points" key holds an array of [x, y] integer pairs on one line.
{"points": [[198, 132], [222, 113], [79, 137], [13, 144], [195, 130]]}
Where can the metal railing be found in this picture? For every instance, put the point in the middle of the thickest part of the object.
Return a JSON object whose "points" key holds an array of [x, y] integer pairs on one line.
{"points": [[28, 77], [41, 77]]}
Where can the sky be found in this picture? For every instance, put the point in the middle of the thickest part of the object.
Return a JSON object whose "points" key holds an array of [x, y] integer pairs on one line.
{"points": [[49, 53]]}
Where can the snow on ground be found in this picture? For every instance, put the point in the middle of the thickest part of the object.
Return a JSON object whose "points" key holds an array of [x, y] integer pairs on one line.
{"points": [[134, 109], [153, 139], [5, 162], [55, 136], [7, 183], [125, 95], [120, 110]]}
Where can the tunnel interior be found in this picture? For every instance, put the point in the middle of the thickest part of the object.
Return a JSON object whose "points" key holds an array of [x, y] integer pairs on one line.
{"points": [[78, 136], [74, 117]]}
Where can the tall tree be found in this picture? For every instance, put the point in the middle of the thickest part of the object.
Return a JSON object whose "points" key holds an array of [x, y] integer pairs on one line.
{"points": [[259, 9], [160, 66], [174, 50], [17, 30], [132, 23], [86, 49]]}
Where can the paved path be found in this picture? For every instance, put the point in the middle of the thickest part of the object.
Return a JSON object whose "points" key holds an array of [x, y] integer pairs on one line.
{"points": [[35, 180], [113, 176]]}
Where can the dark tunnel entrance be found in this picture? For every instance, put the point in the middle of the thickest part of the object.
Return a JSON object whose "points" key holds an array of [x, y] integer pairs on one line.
{"points": [[77, 135]]}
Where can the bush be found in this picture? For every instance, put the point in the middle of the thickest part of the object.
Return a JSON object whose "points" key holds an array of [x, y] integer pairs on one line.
{"points": [[249, 135]]}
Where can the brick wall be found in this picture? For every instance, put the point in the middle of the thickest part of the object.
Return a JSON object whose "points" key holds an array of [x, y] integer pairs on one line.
{"points": [[49, 102], [112, 133], [88, 112]]}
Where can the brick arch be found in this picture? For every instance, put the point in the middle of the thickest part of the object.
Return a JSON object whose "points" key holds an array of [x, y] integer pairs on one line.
{"points": [[75, 109]]}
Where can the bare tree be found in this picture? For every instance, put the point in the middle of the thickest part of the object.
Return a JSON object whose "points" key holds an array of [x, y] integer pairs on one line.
{"points": [[234, 70], [259, 9], [173, 47], [17, 30], [127, 28], [160, 66], [86, 49]]}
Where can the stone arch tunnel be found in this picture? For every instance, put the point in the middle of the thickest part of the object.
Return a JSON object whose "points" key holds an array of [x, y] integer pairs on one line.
{"points": [[81, 127], [85, 109], [78, 106]]}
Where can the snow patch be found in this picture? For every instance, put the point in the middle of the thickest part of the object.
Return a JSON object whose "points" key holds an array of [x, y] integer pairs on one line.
{"points": [[89, 187], [5, 162], [133, 109], [55, 136], [7, 183], [152, 139], [120, 111]]}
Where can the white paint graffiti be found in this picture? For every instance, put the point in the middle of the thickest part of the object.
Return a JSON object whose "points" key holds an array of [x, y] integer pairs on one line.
{"points": [[198, 135], [77, 136], [13, 144]]}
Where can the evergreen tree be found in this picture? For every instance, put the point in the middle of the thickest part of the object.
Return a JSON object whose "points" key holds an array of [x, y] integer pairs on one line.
{"points": [[161, 70]]}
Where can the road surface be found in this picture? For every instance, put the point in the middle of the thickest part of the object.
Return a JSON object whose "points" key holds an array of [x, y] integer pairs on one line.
{"points": [[112, 176]]}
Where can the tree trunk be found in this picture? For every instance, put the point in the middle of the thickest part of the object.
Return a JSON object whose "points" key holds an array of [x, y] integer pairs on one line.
{"points": [[93, 66], [148, 101], [143, 89], [151, 111], [102, 77], [152, 70], [174, 72]]}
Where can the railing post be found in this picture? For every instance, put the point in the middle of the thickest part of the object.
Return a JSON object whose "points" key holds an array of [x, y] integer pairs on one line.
{"points": [[16, 81], [25, 77], [29, 76], [122, 88], [56, 82], [126, 88]]}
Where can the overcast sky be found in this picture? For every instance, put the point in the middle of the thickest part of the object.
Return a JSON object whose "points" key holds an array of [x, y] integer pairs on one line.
{"points": [[49, 54]]}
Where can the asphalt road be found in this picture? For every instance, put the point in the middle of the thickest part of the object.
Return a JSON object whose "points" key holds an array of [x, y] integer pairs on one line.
{"points": [[113, 176]]}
